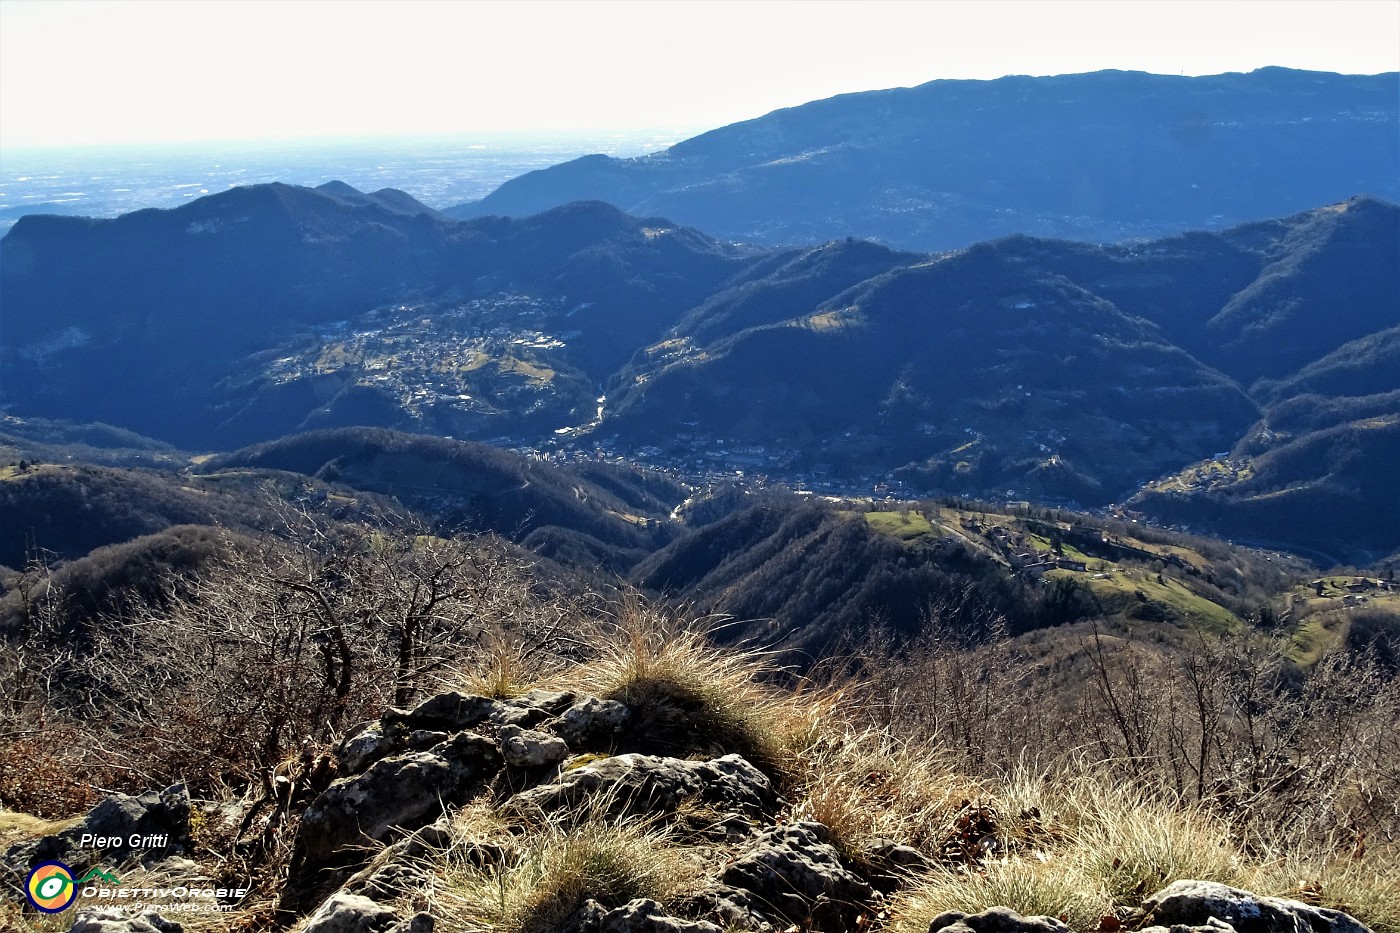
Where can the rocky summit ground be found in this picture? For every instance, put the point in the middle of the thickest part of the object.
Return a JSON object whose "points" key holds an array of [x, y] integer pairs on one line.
{"points": [[666, 786]]}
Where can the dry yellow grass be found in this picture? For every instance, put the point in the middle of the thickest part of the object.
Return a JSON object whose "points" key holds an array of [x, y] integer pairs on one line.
{"points": [[707, 700], [1096, 846], [548, 876]]}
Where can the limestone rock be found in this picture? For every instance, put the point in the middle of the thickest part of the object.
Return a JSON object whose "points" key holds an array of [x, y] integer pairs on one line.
{"points": [[449, 712], [532, 708], [437, 718], [371, 741], [638, 784], [398, 870], [994, 920], [405, 791], [160, 822], [552, 702], [388, 881], [1210, 926], [366, 744], [114, 920], [639, 916], [797, 876], [736, 909], [591, 722], [351, 913], [1194, 903], [526, 748]]}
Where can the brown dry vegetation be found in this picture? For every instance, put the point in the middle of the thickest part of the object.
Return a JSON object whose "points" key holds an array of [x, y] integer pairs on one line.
{"points": [[1069, 774]]}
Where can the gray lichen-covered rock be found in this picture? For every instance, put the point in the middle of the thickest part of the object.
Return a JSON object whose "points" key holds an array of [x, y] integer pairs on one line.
{"points": [[591, 722], [400, 868], [994, 920], [1210, 926], [733, 907], [159, 824], [795, 875], [368, 743], [639, 916], [449, 712], [403, 792], [388, 881], [344, 912], [437, 718], [1194, 903], [532, 708], [351, 913], [114, 920], [372, 741], [638, 784], [552, 702], [526, 748]]}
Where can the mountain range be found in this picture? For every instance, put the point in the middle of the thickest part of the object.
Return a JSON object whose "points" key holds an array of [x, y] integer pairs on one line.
{"points": [[1239, 379], [1025, 367], [1101, 157]]}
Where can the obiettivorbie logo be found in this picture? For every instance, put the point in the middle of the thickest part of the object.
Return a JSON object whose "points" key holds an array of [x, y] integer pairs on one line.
{"points": [[51, 887]]}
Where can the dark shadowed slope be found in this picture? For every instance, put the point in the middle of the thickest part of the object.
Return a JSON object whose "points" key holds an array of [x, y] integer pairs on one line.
{"points": [[173, 322]]}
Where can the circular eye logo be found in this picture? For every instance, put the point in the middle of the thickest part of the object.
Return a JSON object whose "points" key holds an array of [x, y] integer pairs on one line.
{"points": [[50, 887]]}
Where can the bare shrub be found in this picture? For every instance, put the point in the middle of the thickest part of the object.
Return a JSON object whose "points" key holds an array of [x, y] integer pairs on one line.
{"points": [[1291, 758], [44, 767]]}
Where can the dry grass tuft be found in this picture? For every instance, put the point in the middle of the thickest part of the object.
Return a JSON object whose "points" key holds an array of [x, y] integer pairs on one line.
{"points": [[1365, 885], [1028, 886], [18, 827], [690, 697], [865, 784], [505, 667], [1125, 840], [1083, 844]]}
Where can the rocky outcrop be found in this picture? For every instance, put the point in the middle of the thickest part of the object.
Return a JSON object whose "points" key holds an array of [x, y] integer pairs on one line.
{"points": [[792, 875], [398, 773], [994, 920], [549, 723], [1208, 903], [643, 784], [351, 913], [1181, 907], [591, 722], [527, 748], [115, 920], [402, 792], [147, 829], [639, 916], [400, 869], [376, 740]]}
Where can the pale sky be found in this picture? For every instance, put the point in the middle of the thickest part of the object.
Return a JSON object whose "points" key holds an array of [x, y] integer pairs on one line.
{"points": [[91, 72]]}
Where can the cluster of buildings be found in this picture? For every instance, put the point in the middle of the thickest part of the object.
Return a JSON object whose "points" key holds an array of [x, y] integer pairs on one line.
{"points": [[1019, 550]]}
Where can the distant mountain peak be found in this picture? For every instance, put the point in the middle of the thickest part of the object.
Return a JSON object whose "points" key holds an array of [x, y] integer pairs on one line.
{"points": [[336, 186], [1099, 157]]}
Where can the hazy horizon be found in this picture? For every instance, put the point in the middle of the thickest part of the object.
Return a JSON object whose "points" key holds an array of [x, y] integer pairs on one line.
{"points": [[84, 74], [105, 181]]}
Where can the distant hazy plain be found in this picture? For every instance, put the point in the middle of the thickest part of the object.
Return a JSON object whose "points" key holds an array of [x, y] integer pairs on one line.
{"points": [[439, 171]]}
